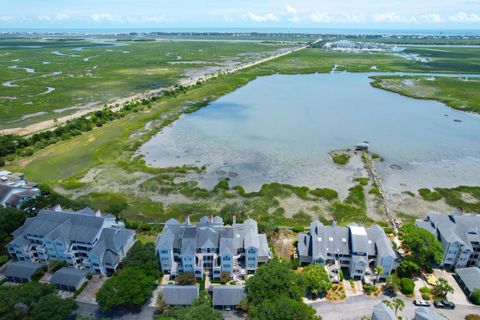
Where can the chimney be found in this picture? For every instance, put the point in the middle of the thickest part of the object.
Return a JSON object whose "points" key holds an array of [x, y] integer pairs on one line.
{"points": [[98, 213], [187, 220], [334, 222], [57, 208], [234, 219]]}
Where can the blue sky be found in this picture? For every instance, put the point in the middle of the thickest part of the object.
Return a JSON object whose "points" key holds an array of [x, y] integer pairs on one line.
{"points": [[361, 14]]}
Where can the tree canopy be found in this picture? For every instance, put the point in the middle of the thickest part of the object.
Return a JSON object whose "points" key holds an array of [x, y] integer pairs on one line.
{"points": [[282, 308], [425, 249], [201, 309], [316, 279], [143, 256], [34, 301], [130, 287], [274, 280]]}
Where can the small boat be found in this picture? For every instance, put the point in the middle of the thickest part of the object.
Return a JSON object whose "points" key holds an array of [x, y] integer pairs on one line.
{"points": [[361, 146]]}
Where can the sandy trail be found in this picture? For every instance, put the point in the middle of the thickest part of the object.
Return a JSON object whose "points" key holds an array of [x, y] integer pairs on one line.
{"points": [[119, 102]]}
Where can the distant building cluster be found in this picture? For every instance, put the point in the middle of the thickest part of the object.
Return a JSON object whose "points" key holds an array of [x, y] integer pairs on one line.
{"points": [[210, 245], [84, 239], [352, 46], [14, 190], [354, 248], [459, 234]]}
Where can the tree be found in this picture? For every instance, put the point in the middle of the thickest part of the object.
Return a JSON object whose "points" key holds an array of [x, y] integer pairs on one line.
{"points": [[392, 284], [274, 280], [130, 287], [475, 297], [57, 264], [224, 277], [52, 307], [316, 279], [407, 269], [34, 301], [396, 304], [143, 256], [185, 279], [201, 309], [283, 308], [378, 270], [442, 288], [424, 248]]}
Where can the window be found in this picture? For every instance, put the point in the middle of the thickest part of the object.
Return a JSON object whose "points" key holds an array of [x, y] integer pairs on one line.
{"points": [[164, 251], [226, 266], [251, 258], [226, 258]]}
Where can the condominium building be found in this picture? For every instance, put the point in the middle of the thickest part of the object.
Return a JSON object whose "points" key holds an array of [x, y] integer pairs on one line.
{"points": [[84, 239], [459, 234], [355, 249], [14, 190], [211, 245]]}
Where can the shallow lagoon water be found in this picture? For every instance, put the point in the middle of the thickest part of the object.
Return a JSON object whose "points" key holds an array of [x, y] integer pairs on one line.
{"points": [[281, 128]]}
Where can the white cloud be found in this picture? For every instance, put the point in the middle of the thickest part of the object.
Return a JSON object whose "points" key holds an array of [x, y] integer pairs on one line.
{"points": [[320, 17], [62, 17], [268, 17], [463, 17], [6, 19], [104, 17], [44, 18], [392, 17], [290, 9], [228, 19], [433, 18], [352, 17]]}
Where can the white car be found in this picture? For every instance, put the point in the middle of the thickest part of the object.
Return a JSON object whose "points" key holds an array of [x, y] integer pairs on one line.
{"points": [[421, 303]]}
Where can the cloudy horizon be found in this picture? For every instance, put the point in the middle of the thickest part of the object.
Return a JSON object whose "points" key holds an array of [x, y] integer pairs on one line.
{"points": [[370, 14]]}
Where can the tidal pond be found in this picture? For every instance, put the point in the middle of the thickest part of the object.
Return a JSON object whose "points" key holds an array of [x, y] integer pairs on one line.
{"points": [[281, 128]]}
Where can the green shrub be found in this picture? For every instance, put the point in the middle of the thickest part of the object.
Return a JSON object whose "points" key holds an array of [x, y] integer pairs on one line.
{"points": [[325, 193], [341, 159], [298, 229], [429, 195], [472, 317], [3, 260], [475, 297], [407, 286]]}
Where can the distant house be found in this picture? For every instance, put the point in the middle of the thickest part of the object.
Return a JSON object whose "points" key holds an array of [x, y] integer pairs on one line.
{"points": [[69, 279], [468, 279], [354, 248], [14, 190], [84, 239], [227, 297], [210, 245], [459, 234], [180, 295], [382, 312], [21, 271], [423, 313]]}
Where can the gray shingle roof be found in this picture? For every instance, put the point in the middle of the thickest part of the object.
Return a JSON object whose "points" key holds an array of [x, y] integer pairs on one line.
{"points": [[470, 277], [110, 242], [427, 314], [358, 239], [462, 228], [180, 295], [4, 191], [227, 295], [382, 312], [69, 277], [21, 269]]}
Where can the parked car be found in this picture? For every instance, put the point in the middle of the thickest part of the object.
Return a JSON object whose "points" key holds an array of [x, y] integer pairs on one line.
{"points": [[444, 304], [421, 303]]}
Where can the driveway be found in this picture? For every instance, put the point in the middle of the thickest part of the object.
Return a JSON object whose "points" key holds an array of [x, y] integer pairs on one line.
{"points": [[355, 307], [89, 294], [457, 297]]}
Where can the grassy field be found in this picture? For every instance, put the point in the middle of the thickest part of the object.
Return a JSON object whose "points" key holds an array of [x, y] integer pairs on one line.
{"points": [[457, 93], [82, 72], [102, 160]]}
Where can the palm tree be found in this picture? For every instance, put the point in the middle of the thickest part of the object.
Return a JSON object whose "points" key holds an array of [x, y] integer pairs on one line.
{"points": [[396, 303], [443, 287], [378, 270]]}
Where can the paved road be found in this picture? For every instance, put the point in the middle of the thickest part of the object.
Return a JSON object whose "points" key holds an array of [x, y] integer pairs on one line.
{"points": [[92, 310], [356, 307]]}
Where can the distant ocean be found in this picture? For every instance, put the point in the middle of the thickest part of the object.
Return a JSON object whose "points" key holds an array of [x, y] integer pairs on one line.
{"points": [[451, 32]]}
